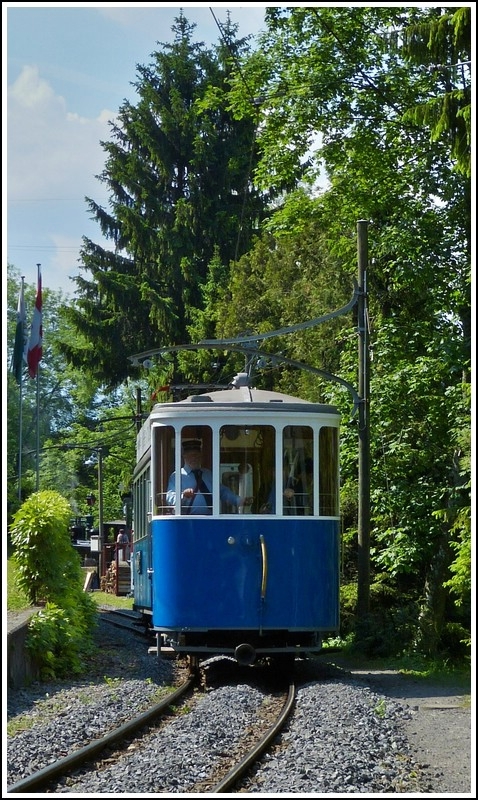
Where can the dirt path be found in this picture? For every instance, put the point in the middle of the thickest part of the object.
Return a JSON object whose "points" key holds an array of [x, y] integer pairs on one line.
{"points": [[440, 731]]}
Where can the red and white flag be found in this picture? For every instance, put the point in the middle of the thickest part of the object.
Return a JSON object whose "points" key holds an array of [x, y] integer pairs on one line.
{"points": [[34, 352]]}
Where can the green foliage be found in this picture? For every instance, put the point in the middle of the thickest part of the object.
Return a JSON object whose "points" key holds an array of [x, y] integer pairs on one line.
{"points": [[386, 632], [444, 43], [49, 573], [47, 563], [458, 514], [460, 582], [455, 643], [381, 708], [348, 603], [388, 629], [59, 638], [17, 600], [295, 279]]}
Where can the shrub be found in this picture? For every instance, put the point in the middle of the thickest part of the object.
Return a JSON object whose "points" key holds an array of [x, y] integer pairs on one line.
{"points": [[389, 627], [455, 642], [49, 572], [59, 639]]}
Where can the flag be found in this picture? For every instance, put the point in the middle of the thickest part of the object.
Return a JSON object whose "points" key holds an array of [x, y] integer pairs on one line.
{"points": [[34, 353], [20, 338]]}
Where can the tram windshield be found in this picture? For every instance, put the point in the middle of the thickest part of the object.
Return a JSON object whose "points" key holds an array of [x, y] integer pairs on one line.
{"points": [[247, 457], [256, 465]]}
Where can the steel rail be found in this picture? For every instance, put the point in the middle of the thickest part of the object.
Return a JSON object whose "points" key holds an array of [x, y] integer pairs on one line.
{"points": [[84, 754], [129, 622], [241, 768]]}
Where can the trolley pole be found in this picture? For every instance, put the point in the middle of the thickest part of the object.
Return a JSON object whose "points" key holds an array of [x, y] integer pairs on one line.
{"points": [[363, 565]]}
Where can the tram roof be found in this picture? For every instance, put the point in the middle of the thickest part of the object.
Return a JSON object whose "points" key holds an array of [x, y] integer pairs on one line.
{"points": [[246, 396]]}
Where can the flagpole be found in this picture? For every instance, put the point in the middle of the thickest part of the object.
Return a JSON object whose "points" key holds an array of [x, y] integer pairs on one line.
{"points": [[38, 384], [38, 429], [20, 440], [34, 355], [18, 359]]}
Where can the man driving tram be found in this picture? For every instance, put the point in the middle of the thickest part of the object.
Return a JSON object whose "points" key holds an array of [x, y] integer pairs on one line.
{"points": [[197, 484]]}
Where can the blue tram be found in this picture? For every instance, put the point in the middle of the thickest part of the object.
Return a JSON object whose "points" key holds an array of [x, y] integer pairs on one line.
{"points": [[242, 557]]}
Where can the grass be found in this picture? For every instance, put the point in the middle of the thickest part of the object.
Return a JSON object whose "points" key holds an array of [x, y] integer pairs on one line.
{"points": [[106, 599], [440, 670], [18, 601]]}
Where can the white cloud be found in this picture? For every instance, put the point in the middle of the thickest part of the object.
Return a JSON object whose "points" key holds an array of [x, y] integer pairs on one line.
{"points": [[140, 16], [29, 91], [52, 153]]}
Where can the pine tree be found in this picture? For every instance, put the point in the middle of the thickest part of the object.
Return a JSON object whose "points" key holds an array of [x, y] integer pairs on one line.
{"points": [[443, 45], [177, 172]]}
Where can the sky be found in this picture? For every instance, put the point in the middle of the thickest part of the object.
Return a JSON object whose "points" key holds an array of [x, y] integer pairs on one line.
{"points": [[68, 68]]}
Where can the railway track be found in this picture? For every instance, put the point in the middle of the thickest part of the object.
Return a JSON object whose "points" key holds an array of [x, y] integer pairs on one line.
{"points": [[125, 620], [222, 737], [226, 774], [85, 754], [236, 773]]}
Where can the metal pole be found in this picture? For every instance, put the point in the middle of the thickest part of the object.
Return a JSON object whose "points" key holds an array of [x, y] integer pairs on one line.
{"points": [[139, 409], [20, 418], [363, 565], [100, 510], [37, 480], [20, 437], [38, 299]]}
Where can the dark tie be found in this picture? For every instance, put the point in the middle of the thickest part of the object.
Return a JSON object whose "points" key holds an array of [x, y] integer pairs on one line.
{"points": [[201, 487]]}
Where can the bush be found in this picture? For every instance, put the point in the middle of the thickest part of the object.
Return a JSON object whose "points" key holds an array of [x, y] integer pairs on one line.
{"points": [[389, 627], [455, 642], [60, 638], [49, 572]]}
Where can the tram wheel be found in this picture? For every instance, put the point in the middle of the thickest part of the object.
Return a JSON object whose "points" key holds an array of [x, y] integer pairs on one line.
{"points": [[193, 665]]}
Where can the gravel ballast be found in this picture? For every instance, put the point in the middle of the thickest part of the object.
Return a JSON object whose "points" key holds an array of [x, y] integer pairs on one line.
{"points": [[343, 737]]}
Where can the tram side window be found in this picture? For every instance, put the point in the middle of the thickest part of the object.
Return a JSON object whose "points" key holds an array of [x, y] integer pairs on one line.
{"points": [[329, 472], [163, 455], [141, 503], [297, 478]]}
